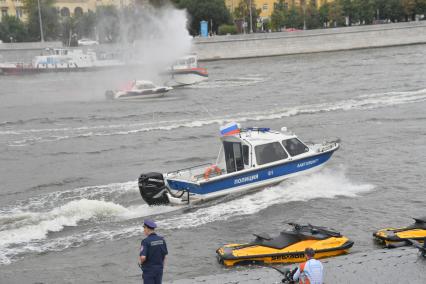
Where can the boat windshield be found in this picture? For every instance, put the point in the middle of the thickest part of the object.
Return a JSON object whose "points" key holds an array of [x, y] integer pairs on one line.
{"points": [[145, 86], [295, 147], [269, 153]]}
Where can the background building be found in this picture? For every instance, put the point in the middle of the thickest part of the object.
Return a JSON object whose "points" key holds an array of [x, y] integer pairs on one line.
{"points": [[64, 7], [267, 6]]}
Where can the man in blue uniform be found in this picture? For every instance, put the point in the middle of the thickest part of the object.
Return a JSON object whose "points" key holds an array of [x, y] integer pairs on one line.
{"points": [[152, 254]]}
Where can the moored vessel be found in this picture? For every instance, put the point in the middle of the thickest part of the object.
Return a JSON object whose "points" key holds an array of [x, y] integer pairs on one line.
{"points": [[59, 60]]}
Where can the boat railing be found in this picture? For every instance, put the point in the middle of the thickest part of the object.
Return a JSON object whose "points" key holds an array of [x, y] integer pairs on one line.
{"points": [[190, 172], [326, 146]]}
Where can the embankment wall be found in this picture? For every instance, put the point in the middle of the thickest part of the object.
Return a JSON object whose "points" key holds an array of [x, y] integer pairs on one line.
{"points": [[323, 40]]}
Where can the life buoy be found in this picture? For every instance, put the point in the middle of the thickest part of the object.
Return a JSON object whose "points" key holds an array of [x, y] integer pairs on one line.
{"points": [[210, 169]]}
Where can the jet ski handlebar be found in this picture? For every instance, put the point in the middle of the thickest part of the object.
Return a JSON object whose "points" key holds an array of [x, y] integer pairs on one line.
{"points": [[314, 229]]}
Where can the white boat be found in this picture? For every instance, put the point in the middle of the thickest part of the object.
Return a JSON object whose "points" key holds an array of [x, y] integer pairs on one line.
{"points": [[59, 60], [138, 89], [186, 71], [249, 158]]}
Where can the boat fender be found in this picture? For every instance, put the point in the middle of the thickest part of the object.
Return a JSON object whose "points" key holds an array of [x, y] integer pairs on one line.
{"points": [[210, 170]]}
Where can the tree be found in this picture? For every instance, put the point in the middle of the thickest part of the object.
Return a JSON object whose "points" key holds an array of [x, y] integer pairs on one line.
{"points": [[243, 12], [420, 7], [336, 14], [364, 11], [12, 29], [278, 15], [50, 19], [347, 10], [108, 23], [294, 17], [324, 14], [213, 11], [85, 25], [390, 9], [409, 8], [312, 16]]}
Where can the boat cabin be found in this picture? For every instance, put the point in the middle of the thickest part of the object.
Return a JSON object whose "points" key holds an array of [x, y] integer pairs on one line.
{"points": [[255, 147], [143, 85], [186, 62]]}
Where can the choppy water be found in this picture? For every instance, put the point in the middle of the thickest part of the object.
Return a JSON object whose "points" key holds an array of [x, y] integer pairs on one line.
{"points": [[70, 210]]}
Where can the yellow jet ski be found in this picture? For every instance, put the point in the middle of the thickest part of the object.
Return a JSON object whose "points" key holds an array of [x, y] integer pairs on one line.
{"points": [[287, 247], [396, 237]]}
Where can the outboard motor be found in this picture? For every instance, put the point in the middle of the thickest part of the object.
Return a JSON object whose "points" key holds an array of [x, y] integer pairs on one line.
{"points": [[153, 189]]}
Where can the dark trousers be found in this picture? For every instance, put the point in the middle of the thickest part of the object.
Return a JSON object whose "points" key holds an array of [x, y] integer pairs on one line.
{"points": [[152, 277]]}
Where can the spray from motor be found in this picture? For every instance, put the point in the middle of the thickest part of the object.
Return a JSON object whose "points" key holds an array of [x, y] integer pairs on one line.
{"points": [[152, 38]]}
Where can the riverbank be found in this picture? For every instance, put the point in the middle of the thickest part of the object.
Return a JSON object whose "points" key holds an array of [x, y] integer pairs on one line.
{"points": [[403, 265], [269, 44], [309, 41]]}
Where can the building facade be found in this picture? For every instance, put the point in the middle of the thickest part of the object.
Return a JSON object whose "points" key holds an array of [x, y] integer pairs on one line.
{"points": [[64, 7], [267, 6]]}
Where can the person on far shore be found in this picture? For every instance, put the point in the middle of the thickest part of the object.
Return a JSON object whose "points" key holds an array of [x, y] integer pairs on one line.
{"points": [[152, 254], [311, 271]]}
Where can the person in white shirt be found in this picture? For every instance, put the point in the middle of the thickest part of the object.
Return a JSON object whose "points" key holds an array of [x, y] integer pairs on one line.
{"points": [[311, 271]]}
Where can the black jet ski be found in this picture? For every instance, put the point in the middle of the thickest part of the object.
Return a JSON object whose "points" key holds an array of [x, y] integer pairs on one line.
{"points": [[396, 237], [287, 247]]}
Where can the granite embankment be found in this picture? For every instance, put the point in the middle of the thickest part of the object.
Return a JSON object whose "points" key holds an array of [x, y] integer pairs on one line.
{"points": [[272, 44], [403, 265], [310, 41]]}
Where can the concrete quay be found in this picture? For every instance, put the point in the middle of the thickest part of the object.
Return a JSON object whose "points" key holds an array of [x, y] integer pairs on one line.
{"points": [[402, 265], [309, 41]]}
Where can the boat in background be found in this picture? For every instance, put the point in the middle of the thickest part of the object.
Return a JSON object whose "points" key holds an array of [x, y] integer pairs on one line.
{"points": [[186, 71], [59, 60], [396, 237], [138, 89], [249, 158]]}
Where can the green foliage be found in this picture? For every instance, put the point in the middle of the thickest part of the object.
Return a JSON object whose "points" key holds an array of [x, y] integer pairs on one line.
{"points": [[50, 20], [278, 16], [205, 10], [108, 23], [12, 29], [243, 12], [312, 16], [227, 29]]}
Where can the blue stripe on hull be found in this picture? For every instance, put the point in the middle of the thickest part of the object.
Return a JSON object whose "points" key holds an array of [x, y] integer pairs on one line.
{"points": [[252, 177]]}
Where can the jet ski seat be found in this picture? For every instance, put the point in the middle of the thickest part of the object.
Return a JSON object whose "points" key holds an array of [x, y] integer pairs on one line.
{"points": [[285, 239]]}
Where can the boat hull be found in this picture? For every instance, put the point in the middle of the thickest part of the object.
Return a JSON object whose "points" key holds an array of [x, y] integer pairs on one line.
{"points": [[188, 76], [251, 179], [292, 254]]}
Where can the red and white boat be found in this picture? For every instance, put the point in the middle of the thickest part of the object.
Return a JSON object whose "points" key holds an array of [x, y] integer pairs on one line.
{"points": [[139, 89], [186, 71]]}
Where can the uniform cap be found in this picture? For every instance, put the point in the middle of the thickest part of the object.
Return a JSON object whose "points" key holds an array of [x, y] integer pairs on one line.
{"points": [[150, 224]]}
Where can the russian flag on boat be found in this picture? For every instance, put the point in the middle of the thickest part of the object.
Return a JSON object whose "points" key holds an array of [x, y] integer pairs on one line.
{"points": [[229, 129]]}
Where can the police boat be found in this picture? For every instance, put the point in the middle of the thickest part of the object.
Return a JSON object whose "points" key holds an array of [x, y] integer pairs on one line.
{"points": [[249, 158], [288, 247], [396, 237]]}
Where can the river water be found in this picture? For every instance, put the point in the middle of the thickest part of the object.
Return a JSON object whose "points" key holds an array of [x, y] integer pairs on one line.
{"points": [[70, 210]]}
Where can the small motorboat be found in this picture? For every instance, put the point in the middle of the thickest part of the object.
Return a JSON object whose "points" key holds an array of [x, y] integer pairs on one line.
{"points": [[186, 71], [138, 89], [396, 237], [287, 247], [249, 158]]}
